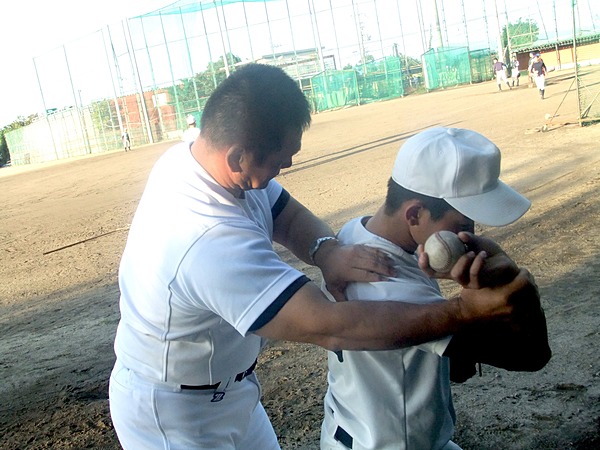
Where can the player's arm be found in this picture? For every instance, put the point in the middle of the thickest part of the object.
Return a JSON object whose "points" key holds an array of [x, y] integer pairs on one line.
{"points": [[296, 228], [362, 325]]}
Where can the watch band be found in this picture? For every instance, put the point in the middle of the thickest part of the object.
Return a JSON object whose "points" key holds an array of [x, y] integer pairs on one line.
{"points": [[316, 245]]}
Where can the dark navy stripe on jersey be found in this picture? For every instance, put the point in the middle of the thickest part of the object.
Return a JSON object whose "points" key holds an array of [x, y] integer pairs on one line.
{"points": [[274, 307], [283, 199]]}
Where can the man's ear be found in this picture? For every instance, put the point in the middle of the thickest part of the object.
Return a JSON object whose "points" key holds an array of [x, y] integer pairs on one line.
{"points": [[412, 214], [235, 157]]}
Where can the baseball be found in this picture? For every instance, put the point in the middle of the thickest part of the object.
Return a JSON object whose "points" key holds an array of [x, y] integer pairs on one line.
{"points": [[444, 248]]}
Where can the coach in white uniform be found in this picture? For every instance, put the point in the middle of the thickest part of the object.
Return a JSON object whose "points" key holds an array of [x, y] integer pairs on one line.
{"points": [[401, 399], [201, 284]]}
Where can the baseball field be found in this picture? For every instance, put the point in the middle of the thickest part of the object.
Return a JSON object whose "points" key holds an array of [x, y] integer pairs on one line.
{"points": [[63, 227]]}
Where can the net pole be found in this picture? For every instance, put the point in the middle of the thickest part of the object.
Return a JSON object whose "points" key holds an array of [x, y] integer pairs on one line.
{"points": [[77, 104], [37, 75], [287, 7], [114, 89], [138, 79], [160, 119], [169, 59], [189, 55], [224, 54], [573, 2], [248, 31], [211, 64], [337, 44], [316, 34]]}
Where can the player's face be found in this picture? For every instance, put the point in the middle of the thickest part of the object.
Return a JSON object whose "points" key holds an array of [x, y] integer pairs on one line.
{"points": [[451, 221], [258, 175]]}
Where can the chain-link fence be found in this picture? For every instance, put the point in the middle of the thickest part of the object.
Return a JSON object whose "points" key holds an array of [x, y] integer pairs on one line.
{"points": [[146, 73]]}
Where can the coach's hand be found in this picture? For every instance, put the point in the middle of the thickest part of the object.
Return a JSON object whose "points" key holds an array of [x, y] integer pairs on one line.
{"points": [[342, 264]]}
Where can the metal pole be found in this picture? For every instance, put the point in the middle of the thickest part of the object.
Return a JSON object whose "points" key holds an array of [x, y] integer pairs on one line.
{"points": [[136, 73], [311, 8], [77, 107], [227, 33], [115, 97], [157, 104], [556, 34], [187, 47], [499, 34], [224, 55], [248, 31], [269, 28], [169, 59], [337, 45], [573, 2], [37, 75], [287, 7], [211, 64]]}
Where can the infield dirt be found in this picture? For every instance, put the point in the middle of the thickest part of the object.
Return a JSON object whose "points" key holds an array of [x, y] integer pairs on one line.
{"points": [[59, 302]]}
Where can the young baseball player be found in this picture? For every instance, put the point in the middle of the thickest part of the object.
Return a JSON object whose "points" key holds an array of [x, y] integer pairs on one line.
{"points": [[514, 68], [443, 179], [202, 286], [500, 72], [192, 131], [538, 73]]}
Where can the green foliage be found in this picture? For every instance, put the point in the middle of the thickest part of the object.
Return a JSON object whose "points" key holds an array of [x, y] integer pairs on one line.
{"points": [[4, 153], [203, 83], [522, 33], [19, 122]]}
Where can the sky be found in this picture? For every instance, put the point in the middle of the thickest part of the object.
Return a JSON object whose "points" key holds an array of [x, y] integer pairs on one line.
{"points": [[31, 27]]}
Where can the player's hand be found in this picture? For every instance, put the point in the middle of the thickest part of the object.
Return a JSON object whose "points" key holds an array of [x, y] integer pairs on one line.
{"points": [[342, 264], [484, 265]]}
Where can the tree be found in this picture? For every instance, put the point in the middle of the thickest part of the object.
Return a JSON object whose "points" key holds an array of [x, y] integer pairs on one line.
{"points": [[203, 82], [522, 33], [4, 153]]}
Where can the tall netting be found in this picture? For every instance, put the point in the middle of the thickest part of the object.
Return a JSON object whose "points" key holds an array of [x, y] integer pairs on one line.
{"points": [[333, 89], [145, 74], [588, 79], [446, 67], [380, 80], [481, 68]]}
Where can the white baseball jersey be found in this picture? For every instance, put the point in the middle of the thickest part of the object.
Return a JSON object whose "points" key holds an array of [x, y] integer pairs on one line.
{"points": [[398, 399], [197, 272]]}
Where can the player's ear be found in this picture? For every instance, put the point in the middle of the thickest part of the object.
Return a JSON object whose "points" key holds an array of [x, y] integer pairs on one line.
{"points": [[412, 214], [235, 157]]}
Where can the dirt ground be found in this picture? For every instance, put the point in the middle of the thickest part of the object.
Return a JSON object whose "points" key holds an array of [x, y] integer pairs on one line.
{"points": [[63, 227]]}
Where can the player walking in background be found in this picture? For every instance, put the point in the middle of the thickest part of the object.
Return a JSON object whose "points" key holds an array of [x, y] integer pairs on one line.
{"points": [[202, 286], [443, 179], [515, 74], [529, 63], [126, 140], [192, 132], [538, 72], [500, 72]]}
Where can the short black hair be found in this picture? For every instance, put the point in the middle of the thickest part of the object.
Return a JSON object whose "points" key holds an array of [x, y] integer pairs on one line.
{"points": [[397, 195], [256, 106]]}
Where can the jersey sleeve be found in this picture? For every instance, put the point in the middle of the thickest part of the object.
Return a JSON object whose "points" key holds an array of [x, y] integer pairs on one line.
{"points": [[233, 271]]}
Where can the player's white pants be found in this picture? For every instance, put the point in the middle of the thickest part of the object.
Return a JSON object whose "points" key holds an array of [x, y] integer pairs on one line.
{"points": [[149, 416], [540, 82], [501, 77]]}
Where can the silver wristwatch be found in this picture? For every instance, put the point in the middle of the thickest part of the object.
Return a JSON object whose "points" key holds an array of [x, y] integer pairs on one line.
{"points": [[316, 245]]}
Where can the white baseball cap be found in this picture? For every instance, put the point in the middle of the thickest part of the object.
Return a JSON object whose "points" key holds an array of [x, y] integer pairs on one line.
{"points": [[461, 167], [190, 119]]}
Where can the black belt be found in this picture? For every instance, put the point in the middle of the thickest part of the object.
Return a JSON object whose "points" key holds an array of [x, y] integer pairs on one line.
{"points": [[342, 436], [207, 387]]}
